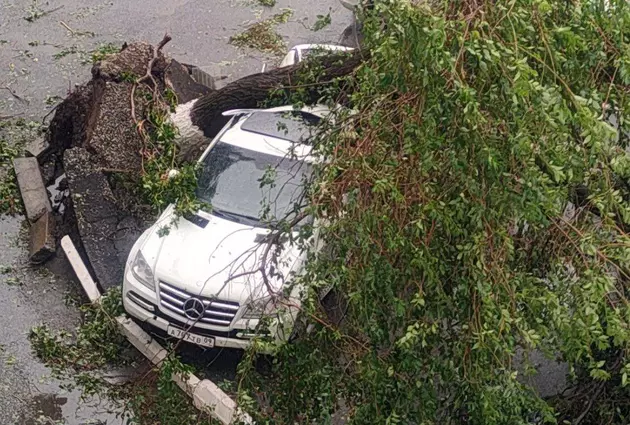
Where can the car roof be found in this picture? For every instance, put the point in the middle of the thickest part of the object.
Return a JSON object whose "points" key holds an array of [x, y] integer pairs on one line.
{"points": [[237, 136], [321, 46], [321, 111]]}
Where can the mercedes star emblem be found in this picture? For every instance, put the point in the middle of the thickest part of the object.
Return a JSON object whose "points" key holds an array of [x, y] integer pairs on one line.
{"points": [[194, 308]]}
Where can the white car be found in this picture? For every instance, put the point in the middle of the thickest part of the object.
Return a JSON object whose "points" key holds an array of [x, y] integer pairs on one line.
{"points": [[198, 282], [301, 51]]}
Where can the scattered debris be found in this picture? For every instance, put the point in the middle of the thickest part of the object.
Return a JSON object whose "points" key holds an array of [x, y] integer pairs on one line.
{"points": [[42, 243], [52, 99], [75, 33], [9, 202], [262, 35], [66, 51], [322, 21], [14, 135], [13, 93], [35, 12], [13, 281]]}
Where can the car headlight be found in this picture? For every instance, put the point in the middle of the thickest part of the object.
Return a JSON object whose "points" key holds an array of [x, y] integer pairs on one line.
{"points": [[142, 271], [258, 308]]}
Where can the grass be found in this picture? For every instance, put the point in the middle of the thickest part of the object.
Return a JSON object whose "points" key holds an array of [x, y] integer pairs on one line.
{"points": [[262, 36], [103, 51]]}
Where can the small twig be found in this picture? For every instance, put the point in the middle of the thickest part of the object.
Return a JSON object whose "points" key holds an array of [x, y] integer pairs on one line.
{"points": [[156, 52], [50, 112], [63, 24], [114, 170], [271, 241], [133, 104], [32, 18], [15, 95], [590, 404], [8, 117], [147, 76]]}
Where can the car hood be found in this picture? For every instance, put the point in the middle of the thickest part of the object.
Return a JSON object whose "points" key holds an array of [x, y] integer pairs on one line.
{"points": [[218, 259]]}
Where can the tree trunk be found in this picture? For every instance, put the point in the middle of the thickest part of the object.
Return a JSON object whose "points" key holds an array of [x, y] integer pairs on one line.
{"points": [[251, 91]]}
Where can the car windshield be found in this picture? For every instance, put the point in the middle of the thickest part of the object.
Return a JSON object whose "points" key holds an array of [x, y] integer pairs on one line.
{"points": [[251, 187]]}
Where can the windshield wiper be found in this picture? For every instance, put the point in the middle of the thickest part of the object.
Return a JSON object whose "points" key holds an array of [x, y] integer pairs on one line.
{"points": [[239, 218]]}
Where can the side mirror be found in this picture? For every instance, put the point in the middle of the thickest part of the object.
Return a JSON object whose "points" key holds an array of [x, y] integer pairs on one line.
{"points": [[172, 173]]}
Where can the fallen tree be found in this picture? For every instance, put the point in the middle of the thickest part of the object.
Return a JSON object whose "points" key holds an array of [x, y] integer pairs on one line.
{"points": [[115, 138]]}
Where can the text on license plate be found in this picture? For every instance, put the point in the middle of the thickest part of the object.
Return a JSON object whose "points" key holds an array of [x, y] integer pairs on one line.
{"points": [[205, 341]]}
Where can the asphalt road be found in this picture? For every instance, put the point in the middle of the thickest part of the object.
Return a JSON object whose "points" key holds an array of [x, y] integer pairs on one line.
{"points": [[40, 60]]}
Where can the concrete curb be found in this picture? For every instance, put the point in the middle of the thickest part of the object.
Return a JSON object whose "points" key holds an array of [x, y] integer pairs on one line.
{"points": [[206, 395], [89, 286], [32, 189]]}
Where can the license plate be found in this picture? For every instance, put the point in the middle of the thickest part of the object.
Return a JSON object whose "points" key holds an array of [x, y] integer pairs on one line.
{"points": [[204, 341]]}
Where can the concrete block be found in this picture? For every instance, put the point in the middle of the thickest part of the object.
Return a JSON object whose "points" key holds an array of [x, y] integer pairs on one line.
{"points": [[42, 243], [89, 286], [209, 397], [38, 147], [186, 383], [32, 188], [141, 340]]}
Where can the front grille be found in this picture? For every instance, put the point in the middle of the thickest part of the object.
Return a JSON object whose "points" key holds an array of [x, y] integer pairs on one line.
{"points": [[218, 312]]}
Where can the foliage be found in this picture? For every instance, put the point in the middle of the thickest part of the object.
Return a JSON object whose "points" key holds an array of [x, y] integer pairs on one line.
{"points": [[160, 157], [477, 205], [268, 3], [104, 50], [14, 134], [156, 399], [97, 341], [67, 51], [322, 22], [152, 399], [262, 35]]}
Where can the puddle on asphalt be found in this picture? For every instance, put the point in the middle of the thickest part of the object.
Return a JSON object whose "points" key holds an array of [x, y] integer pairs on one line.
{"points": [[45, 408]]}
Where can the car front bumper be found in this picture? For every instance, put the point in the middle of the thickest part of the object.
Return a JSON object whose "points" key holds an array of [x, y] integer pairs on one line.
{"points": [[142, 303]]}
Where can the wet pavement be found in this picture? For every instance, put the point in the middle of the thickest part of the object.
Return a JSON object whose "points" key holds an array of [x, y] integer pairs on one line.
{"points": [[30, 296], [40, 61]]}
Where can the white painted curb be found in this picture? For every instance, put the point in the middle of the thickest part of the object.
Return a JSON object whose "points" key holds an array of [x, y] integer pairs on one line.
{"points": [[206, 395], [80, 270]]}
